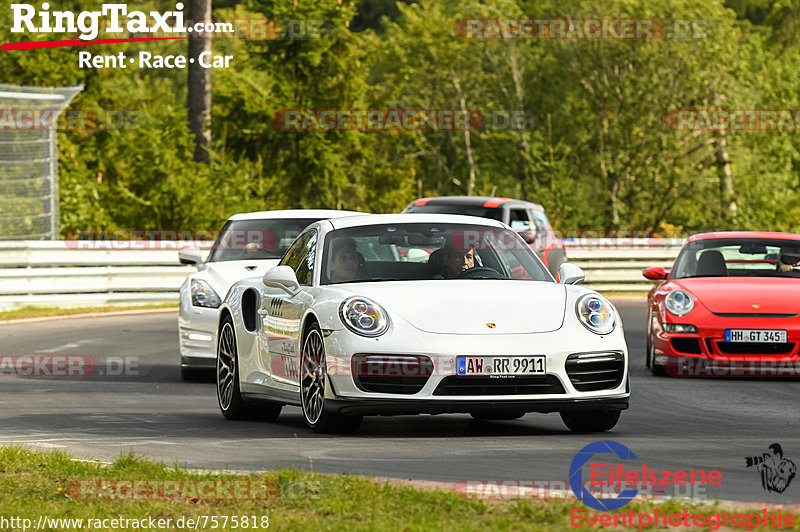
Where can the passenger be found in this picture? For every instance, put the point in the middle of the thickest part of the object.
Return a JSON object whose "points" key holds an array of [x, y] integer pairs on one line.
{"points": [[789, 259], [344, 261], [456, 261]]}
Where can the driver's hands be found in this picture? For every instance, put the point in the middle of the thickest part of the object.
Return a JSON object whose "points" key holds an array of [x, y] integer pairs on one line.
{"points": [[785, 267]]}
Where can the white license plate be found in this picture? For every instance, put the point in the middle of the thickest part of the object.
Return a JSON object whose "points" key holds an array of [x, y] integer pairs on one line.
{"points": [[763, 336], [493, 365]]}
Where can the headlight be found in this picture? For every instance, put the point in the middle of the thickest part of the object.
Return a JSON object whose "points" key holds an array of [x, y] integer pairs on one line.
{"points": [[203, 295], [679, 302], [679, 328], [364, 317], [596, 314]]}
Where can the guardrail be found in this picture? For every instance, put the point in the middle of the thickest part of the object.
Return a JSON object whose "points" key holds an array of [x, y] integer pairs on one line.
{"points": [[616, 264], [97, 273], [90, 273]]}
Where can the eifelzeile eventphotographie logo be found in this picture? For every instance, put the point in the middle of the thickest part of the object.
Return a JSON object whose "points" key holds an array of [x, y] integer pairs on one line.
{"points": [[608, 470], [608, 464]]}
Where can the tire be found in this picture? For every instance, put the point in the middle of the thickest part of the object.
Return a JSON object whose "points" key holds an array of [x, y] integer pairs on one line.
{"points": [[229, 396], [649, 352], [313, 383], [591, 420], [656, 370], [499, 415]]}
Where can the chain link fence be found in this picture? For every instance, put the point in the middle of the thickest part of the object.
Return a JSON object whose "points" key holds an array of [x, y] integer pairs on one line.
{"points": [[29, 160]]}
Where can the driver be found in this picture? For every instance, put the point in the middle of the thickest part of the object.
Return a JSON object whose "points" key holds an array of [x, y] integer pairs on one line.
{"points": [[344, 261], [456, 261], [789, 259]]}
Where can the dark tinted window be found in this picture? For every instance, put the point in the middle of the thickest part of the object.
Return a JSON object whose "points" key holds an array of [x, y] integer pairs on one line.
{"points": [[301, 257], [408, 251], [731, 257], [518, 220], [257, 239], [468, 210]]}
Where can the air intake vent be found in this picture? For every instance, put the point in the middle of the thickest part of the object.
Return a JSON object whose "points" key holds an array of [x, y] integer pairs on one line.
{"points": [[403, 374], [518, 385], [595, 371]]}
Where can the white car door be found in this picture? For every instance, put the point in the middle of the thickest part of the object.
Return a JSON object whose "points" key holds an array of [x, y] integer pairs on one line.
{"points": [[283, 312]]}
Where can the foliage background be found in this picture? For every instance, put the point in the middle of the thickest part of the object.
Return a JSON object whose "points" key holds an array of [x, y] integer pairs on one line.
{"points": [[595, 150]]}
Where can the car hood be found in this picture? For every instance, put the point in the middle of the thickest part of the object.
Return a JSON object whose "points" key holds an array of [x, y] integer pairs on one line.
{"points": [[739, 294], [471, 306], [222, 275]]}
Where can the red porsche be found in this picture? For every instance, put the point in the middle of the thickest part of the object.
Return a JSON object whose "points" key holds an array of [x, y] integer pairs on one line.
{"points": [[730, 306]]}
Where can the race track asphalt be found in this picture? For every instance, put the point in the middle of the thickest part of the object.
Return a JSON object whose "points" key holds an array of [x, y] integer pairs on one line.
{"points": [[672, 424]]}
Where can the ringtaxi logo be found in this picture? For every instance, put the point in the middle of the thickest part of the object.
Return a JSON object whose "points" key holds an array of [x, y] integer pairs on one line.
{"points": [[28, 18], [626, 479]]}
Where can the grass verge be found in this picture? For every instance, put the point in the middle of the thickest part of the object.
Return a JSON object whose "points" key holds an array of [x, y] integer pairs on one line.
{"points": [[42, 312], [35, 484]]}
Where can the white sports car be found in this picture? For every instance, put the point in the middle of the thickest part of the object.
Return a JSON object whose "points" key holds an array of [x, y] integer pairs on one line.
{"points": [[419, 313], [248, 244]]}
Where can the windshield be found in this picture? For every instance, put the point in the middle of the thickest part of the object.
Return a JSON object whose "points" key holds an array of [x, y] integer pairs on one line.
{"points": [[750, 257], [257, 239], [427, 251], [480, 211]]}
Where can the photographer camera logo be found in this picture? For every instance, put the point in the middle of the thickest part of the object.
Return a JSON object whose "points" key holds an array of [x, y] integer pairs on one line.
{"points": [[776, 471]]}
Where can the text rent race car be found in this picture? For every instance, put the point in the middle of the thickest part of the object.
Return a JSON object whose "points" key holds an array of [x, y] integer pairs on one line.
{"points": [[347, 326], [730, 306], [248, 244]]}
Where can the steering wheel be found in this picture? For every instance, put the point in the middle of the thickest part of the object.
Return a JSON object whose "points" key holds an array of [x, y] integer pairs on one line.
{"points": [[481, 272]]}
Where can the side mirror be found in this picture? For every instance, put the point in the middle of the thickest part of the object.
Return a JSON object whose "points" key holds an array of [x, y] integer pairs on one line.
{"points": [[568, 273], [655, 273], [528, 236], [282, 277], [190, 256]]}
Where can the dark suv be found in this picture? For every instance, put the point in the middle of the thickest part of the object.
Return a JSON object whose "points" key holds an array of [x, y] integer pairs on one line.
{"points": [[526, 218]]}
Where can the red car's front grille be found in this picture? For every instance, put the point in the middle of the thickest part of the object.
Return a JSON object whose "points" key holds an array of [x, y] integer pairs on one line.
{"points": [[752, 348], [753, 315]]}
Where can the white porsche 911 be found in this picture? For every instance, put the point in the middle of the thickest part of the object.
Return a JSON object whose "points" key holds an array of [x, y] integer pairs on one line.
{"points": [[419, 313], [248, 244]]}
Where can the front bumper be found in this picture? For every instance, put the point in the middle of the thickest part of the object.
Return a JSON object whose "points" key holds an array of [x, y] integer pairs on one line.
{"points": [[197, 332], [706, 353], [583, 371], [416, 406]]}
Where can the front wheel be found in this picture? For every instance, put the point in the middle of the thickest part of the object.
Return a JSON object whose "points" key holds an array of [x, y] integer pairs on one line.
{"points": [[313, 382], [591, 420], [651, 356]]}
